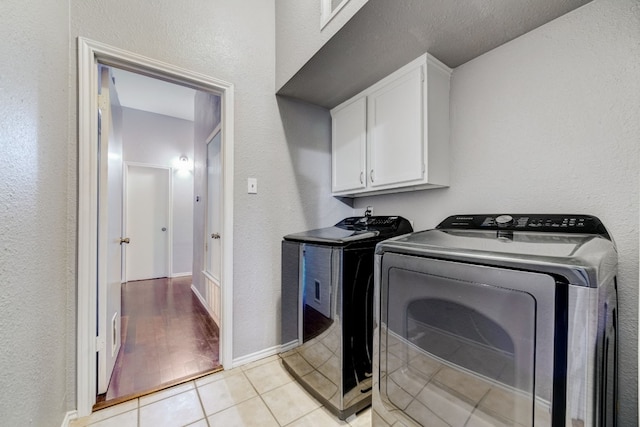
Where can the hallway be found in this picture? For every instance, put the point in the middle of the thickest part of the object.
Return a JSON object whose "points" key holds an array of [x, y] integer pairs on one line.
{"points": [[167, 338]]}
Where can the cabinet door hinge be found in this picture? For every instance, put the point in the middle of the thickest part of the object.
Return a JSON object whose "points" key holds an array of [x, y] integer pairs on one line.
{"points": [[424, 169]]}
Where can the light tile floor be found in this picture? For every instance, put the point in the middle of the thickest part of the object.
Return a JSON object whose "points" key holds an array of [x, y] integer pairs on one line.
{"points": [[260, 394]]}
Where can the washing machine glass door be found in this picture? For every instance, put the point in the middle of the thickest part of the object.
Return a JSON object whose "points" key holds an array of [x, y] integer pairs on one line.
{"points": [[459, 342]]}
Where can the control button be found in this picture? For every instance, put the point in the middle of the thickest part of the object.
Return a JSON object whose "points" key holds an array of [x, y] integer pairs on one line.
{"points": [[488, 222], [504, 220]]}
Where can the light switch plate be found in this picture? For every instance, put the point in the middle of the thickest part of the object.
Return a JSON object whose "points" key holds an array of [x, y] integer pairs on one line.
{"points": [[252, 185]]}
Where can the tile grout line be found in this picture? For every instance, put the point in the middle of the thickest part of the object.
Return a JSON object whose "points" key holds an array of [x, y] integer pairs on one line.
{"points": [[279, 361], [206, 418], [260, 395]]}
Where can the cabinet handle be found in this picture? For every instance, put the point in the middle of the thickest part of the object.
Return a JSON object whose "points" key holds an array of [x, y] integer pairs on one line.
{"points": [[361, 177], [371, 175]]}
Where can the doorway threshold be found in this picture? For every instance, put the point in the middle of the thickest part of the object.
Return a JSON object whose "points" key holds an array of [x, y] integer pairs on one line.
{"points": [[102, 402]]}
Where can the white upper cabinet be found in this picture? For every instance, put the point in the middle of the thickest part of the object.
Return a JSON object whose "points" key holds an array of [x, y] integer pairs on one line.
{"points": [[394, 136], [394, 131]]}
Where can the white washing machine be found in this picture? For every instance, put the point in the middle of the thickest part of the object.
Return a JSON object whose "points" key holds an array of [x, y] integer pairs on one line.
{"points": [[493, 320]]}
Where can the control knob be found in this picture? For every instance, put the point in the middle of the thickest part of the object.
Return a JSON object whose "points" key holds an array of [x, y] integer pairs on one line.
{"points": [[504, 220]]}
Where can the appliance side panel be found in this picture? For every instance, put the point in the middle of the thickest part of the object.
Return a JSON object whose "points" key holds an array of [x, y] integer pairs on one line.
{"points": [[582, 343], [290, 286], [317, 279]]}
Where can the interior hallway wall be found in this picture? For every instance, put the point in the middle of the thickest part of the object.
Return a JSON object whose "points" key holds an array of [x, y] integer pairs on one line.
{"points": [[549, 123], [160, 140], [37, 224]]}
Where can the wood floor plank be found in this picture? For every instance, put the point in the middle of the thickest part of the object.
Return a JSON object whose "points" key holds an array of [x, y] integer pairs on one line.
{"points": [[166, 335]]}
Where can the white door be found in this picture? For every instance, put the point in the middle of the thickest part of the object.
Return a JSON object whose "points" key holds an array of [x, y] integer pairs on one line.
{"points": [[109, 228], [394, 131], [214, 204], [349, 146], [147, 222]]}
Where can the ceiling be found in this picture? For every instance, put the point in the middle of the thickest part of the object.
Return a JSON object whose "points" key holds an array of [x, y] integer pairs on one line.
{"points": [[153, 95], [384, 35], [380, 38]]}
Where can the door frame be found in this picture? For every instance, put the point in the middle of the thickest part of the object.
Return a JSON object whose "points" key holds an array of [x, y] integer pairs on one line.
{"points": [[168, 207], [90, 53]]}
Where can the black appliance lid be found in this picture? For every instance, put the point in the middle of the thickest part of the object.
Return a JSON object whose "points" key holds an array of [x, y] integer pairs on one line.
{"points": [[355, 229]]}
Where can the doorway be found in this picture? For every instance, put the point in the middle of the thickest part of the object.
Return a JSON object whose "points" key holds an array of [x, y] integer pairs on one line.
{"points": [[91, 55], [155, 135]]}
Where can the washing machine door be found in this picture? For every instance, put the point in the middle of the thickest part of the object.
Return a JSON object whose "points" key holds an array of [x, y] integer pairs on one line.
{"points": [[465, 344]]}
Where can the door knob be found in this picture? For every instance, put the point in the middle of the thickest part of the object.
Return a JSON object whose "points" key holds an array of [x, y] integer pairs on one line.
{"points": [[215, 236], [164, 228], [124, 240]]}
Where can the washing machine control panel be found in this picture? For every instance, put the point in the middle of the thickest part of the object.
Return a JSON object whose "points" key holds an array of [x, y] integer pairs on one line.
{"points": [[585, 224], [380, 223]]}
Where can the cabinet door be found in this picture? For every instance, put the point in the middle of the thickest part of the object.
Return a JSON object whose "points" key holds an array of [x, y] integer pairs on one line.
{"points": [[348, 151], [395, 131]]}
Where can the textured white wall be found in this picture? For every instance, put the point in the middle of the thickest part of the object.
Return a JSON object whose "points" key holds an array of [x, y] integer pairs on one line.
{"points": [[35, 257], [550, 123], [159, 140], [299, 36], [291, 161]]}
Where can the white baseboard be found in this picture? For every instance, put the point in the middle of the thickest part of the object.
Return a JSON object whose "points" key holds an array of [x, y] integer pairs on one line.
{"points": [[289, 346], [174, 275], [68, 417], [243, 360], [202, 300]]}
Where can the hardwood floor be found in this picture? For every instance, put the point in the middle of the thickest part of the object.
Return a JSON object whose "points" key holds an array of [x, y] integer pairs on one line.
{"points": [[167, 336]]}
